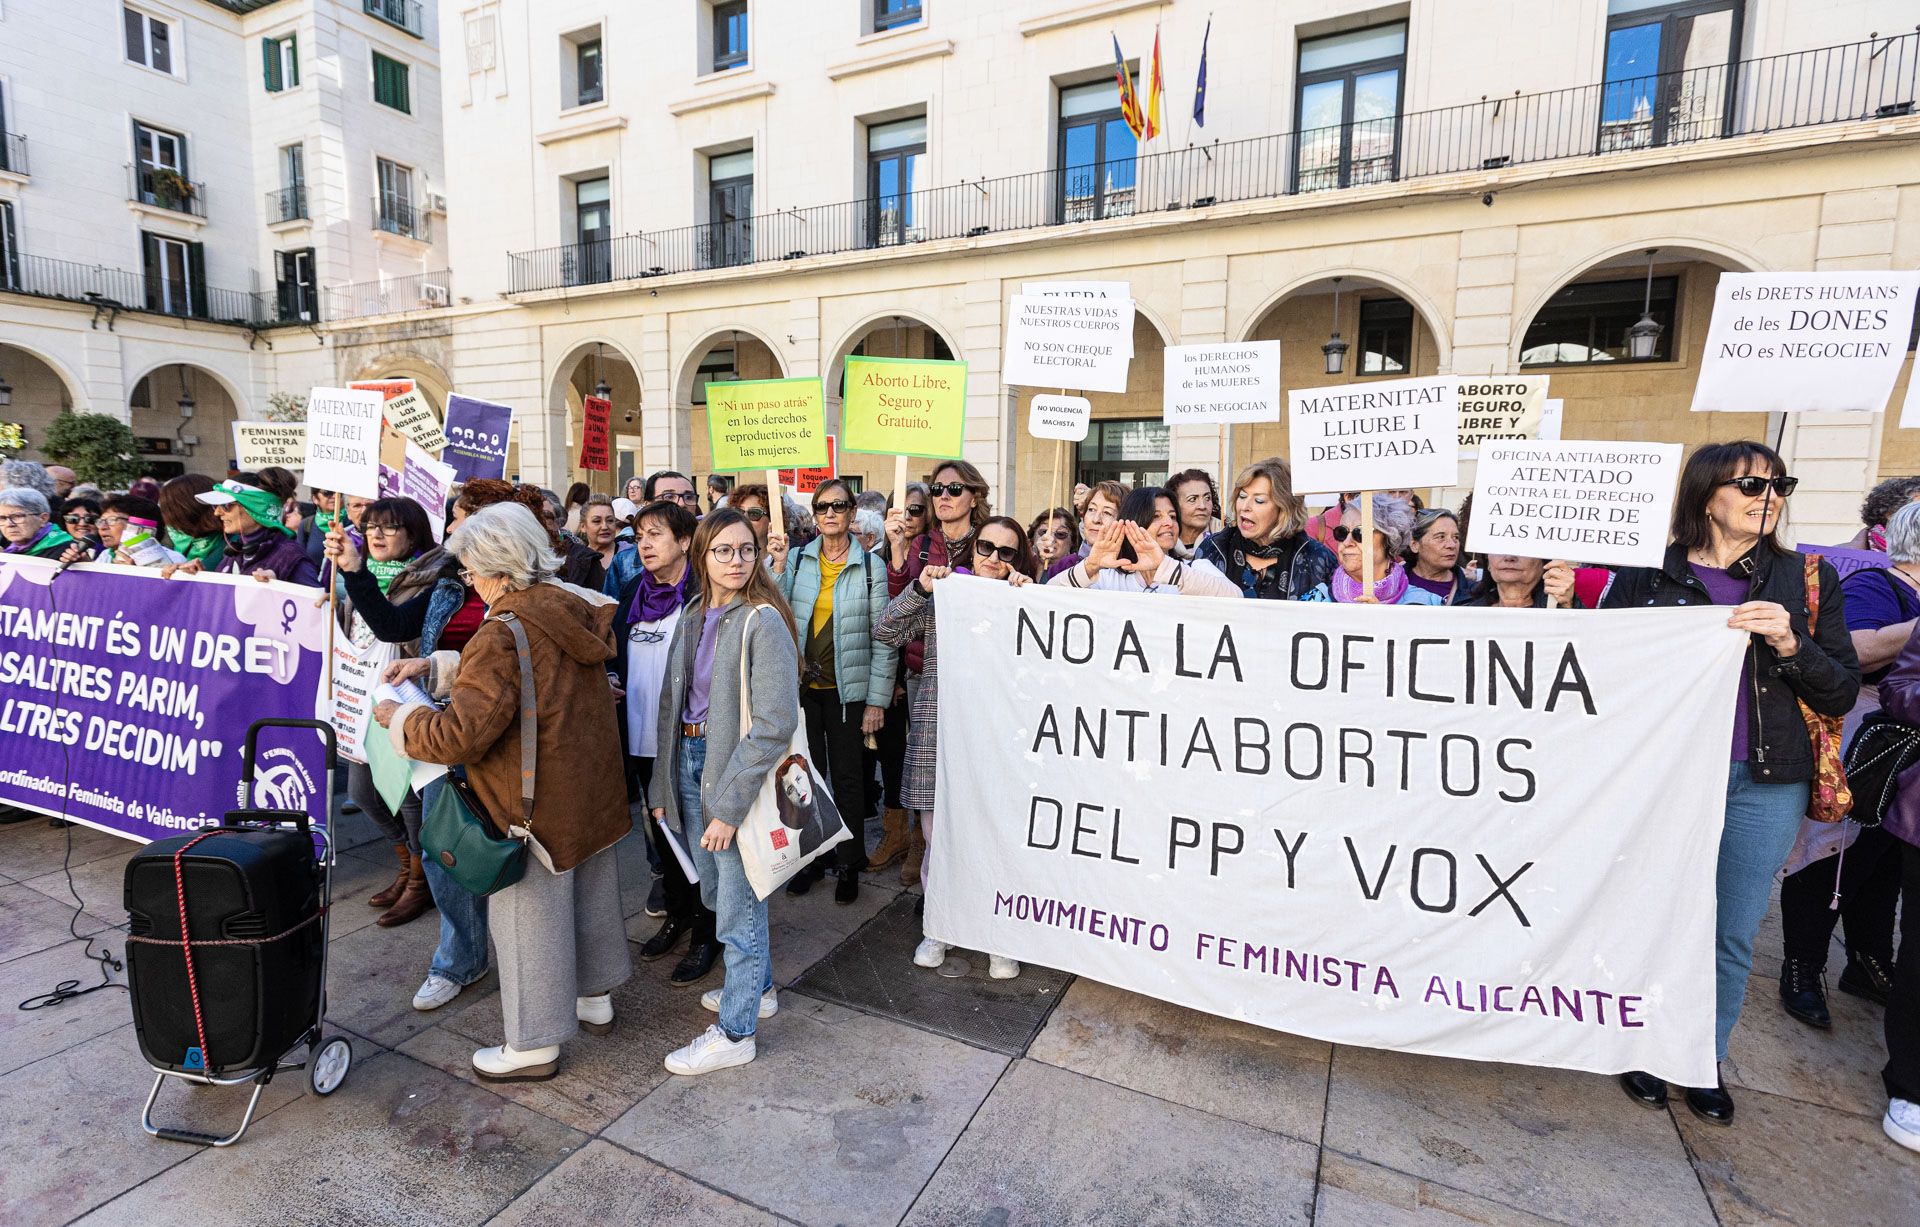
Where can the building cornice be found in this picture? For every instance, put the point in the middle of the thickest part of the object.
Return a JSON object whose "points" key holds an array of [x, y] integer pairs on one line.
{"points": [[893, 57], [702, 102], [590, 126], [1083, 13]]}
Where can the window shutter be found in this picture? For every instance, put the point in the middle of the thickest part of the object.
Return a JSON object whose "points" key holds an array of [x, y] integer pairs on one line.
{"points": [[12, 243], [197, 279], [400, 88], [270, 64], [293, 60], [150, 264], [283, 283]]}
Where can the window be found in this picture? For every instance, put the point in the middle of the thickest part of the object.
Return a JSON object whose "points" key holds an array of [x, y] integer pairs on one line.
{"points": [[290, 200], [393, 207], [1348, 108], [9, 248], [296, 292], [1587, 322], [590, 261], [160, 170], [729, 209], [176, 275], [894, 153], [280, 62], [893, 14], [390, 84], [1668, 77], [149, 40], [729, 34], [1386, 336], [716, 367], [1097, 151], [7, 156], [586, 60], [1133, 452]]}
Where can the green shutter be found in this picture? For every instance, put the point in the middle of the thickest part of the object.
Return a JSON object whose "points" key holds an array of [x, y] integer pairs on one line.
{"points": [[293, 60], [270, 64], [197, 279], [150, 268], [390, 83]]}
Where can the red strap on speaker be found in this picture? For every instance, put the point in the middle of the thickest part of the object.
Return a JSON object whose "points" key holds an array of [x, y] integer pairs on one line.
{"points": [[186, 949]]}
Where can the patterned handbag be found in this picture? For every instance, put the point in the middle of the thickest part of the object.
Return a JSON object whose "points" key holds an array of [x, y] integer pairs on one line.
{"points": [[1829, 800]]}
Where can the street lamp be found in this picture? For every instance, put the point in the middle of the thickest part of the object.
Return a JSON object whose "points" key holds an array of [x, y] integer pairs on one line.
{"points": [[186, 401], [600, 387], [1645, 334], [1335, 349]]}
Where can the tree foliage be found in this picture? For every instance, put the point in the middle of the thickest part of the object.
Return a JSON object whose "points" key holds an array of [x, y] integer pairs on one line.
{"points": [[98, 447]]}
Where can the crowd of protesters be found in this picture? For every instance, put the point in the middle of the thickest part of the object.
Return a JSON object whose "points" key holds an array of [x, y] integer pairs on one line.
{"points": [[694, 643]]}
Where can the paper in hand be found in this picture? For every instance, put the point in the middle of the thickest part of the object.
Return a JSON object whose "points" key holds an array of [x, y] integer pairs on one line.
{"points": [[406, 692], [679, 853]]}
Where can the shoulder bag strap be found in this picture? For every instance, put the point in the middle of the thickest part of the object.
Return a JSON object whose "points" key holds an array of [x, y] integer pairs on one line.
{"points": [[746, 696], [529, 719], [1812, 571]]}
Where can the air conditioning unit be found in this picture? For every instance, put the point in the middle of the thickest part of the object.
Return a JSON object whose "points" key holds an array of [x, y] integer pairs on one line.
{"points": [[435, 295], [436, 203]]}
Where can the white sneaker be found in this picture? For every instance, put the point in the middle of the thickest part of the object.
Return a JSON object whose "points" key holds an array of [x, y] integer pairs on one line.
{"points": [[769, 1001], [711, 1051], [929, 953], [1000, 967], [1903, 1122], [435, 992], [595, 1013], [503, 1064]]}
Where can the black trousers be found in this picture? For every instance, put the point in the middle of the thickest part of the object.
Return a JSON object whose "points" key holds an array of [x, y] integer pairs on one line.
{"points": [[1902, 1074], [890, 758], [835, 743], [682, 897], [1869, 878]]}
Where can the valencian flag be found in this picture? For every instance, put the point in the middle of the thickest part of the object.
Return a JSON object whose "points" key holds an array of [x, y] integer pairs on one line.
{"points": [[1200, 80], [1129, 101], [1155, 87]]}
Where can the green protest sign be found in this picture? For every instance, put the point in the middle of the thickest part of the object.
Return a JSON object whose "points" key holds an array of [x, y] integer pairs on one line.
{"points": [[904, 407], [766, 424]]}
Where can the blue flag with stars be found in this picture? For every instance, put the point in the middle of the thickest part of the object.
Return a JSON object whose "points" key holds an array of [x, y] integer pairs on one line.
{"points": [[1200, 81]]}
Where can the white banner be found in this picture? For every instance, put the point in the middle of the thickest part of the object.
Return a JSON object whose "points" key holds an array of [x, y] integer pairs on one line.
{"points": [[1499, 407], [1059, 417], [1800, 342], [1606, 503], [343, 441], [1401, 434], [1910, 410], [1208, 384], [1080, 343], [1461, 832]]}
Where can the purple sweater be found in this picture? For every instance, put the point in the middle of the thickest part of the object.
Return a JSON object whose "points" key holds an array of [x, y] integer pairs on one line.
{"points": [[1900, 698], [1728, 589], [269, 549]]}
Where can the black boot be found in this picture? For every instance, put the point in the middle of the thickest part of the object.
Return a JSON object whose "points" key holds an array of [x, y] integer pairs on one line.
{"points": [[1711, 1104], [1803, 995], [663, 941], [1867, 976], [699, 961], [1644, 1089], [802, 882], [847, 889]]}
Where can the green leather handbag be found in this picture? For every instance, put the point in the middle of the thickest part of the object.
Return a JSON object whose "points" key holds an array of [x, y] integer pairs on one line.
{"points": [[455, 831]]}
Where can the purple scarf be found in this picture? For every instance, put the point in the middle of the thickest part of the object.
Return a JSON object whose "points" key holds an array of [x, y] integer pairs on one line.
{"points": [[1387, 590], [653, 600]]}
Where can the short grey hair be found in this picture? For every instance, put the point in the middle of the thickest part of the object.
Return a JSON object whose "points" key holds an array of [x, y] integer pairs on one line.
{"points": [[26, 498], [868, 522], [1392, 519], [872, 500], [28, 474], [508, 541], [1903, 534], [1886, 498]]}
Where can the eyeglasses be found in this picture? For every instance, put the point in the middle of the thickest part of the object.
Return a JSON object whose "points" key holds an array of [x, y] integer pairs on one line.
{"points": [[112, 520], [382, 529], [1005, 553], [466, 577], [916, 509], [683, 497], [81, 517], [833, 507], [1342, 533], [10, 521], [1750, 486], [756, 514], [953, 489], [643, 634], [727, 553]]}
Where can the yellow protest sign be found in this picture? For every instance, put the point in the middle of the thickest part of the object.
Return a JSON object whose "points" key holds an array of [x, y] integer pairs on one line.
{"points": [[411, 415], [766, 424], [904, 407]]}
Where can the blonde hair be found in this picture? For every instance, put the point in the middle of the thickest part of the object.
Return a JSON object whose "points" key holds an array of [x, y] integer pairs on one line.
{"points": [[1293, 508]]}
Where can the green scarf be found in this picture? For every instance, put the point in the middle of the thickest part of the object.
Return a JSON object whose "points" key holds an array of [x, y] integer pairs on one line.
{"points": [[383, 572], [209, 551], [323, 521]]}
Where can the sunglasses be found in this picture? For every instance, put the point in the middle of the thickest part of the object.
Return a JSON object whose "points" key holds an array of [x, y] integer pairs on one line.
{"points": [[833, 507], [952, 489], [643, 634], [1343, 533], [916, 509], [1005, 553], [81, 517], [1750, 486], [756, 514]]}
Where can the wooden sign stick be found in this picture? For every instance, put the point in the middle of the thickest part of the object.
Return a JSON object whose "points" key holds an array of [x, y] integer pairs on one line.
{"points": [[776, 505], [1366, 539], [900, 482]]}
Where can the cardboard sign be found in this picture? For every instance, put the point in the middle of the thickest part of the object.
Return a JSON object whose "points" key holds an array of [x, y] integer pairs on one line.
{"points": [[387, 388], [1400, 434], [904, 407], [477, 435], [1080, 343], [1082, 289], [1805, 342], [597, 412], [1587, 501], [1221, 384], [343, 441], [429, 483], [757, 424], [411, 415], [259, 445], [1059, 417], [350, 706], [1499, 407], [809, 481]]}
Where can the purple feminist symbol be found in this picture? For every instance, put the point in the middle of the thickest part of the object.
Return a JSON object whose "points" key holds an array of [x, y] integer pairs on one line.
{"points": [[288, 612]]}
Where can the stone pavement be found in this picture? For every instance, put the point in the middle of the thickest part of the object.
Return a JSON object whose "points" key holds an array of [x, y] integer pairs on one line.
{"points": [[1121, 1110]]}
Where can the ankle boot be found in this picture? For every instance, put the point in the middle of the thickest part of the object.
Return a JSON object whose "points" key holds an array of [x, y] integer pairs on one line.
{"points": [[1867, 976], [916, 853], [1802, 993], [385, 898], [415, 899], [893, 840]]}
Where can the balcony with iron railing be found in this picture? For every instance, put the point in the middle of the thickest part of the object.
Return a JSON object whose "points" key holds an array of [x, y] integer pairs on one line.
{"points": [[163, 188], [1865, 81], [399, 215], [119, 289], [287, 204], [419, 291], [13, 153], [403, 14]]}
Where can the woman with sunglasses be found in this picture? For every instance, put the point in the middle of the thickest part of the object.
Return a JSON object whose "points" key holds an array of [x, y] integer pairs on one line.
{"points": [[1392, 531], [846, 678], [1135, 553], [1000, 552], [1433, 559], [751, 502], [1054, 535], [80, 516], [1264, 547], [1725, 552]]}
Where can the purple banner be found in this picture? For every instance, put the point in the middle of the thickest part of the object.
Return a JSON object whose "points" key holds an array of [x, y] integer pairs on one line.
{"points": [[476, 437], [125, 698], [1845, 559]]}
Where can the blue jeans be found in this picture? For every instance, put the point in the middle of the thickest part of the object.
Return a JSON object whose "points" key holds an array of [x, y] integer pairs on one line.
{"points": [[1762, 822], [741, 915], [462, 953]]}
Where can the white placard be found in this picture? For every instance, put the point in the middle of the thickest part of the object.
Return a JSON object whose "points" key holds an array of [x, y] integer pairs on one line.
{"points": [[1594, 502], [1059, 417], [1218, 384], [1081, 289], [343, 441], [1805, 342], [411, 415], [1499, 407], [1398, 435], [1084, 344], [1553, 418], [350, 706], [1366, 825], [260, 445]]}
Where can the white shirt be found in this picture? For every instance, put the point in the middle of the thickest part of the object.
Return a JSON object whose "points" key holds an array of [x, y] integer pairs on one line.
{"points": [[649, 648]]}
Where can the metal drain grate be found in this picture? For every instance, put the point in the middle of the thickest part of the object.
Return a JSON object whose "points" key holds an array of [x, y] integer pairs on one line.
{"points": [[873, 971]]}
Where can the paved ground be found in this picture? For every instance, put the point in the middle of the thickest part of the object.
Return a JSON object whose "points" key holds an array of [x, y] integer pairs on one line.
{"points": [[1121, 1110]]}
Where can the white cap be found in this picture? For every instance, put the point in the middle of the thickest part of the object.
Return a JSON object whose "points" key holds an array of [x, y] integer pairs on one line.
{"points": [[623, 508]]}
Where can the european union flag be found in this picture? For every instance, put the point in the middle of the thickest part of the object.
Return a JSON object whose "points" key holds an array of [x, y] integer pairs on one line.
{"points": [[1200, 81]]}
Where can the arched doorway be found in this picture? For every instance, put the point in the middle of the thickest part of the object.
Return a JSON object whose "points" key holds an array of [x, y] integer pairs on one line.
{"points": [[182, 417], [722, 356], [32, 394], [597, 368], [888, 336]]}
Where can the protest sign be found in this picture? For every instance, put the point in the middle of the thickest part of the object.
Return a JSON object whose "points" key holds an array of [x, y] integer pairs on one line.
{"points": [[1604, 503], [904, 407], [125, 698], [343, 441], [596, 413], [1910, 408], [1499, 407], [429, 483], [1080, 343], [1800, 342], [1059, 417], [477, 433], [1553, 415], [259, 445], [1846, 560], [1221, 384], [1397, 435], [350, 705], [755, 424], [411, 415], [806, 482], [387, 388], [1082, 289], [1365, 825]]}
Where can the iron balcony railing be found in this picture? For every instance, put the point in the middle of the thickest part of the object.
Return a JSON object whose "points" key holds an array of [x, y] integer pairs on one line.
{"points": [[166, 189], [13, 152], [401, 216], [122, 290], [411, 293], [1856, 81], [287, 203], [402, 13]]}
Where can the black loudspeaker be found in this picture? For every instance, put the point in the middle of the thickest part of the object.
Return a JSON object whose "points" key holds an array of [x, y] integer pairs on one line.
{"points": [[258, 998]]}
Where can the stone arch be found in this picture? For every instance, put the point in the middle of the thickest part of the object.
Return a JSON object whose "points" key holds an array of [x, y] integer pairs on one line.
{"points": [[565, 403], [689, 361], [403, 363], [216, 408], [1438, 324], [830, 376], [1671, 250]]}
